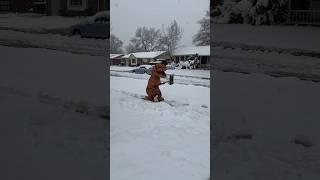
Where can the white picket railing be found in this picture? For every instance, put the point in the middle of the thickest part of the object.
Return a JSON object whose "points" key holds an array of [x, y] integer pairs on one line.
{"points": [[304, 17]]}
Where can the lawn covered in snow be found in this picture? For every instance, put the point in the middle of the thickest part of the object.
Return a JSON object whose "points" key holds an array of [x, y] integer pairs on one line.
{"points": [[53, 105], [36, 23], [281, 64], [265, 128], [58, 74], [285, 37], [155, 140], [74, 44]]}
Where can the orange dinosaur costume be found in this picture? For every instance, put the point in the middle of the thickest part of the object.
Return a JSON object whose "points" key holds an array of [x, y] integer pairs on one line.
{"points": [[154, 82]]}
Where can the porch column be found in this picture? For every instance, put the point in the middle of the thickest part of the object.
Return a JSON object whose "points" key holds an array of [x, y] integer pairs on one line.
{"points": [[289, 13]]}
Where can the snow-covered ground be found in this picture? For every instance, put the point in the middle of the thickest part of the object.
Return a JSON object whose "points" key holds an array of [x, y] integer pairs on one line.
{"points": [[265, 128], [284, 37], [36, 23], [155, 140], [53, 105], [54, 41], [273, 63], [60, 74], [205, 74], [190, 80]]}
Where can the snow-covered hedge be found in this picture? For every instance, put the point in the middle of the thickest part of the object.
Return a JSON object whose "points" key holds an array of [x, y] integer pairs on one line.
{"points": [[256, 12]]}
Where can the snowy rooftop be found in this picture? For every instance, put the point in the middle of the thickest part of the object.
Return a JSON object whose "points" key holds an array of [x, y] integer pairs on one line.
{"points": [[145, 54], [200, 50], [112, 56]]}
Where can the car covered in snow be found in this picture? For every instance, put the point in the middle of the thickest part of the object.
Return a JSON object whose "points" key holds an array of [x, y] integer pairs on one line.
{"points": [[96, 26], [143, 69], [171, 66]]}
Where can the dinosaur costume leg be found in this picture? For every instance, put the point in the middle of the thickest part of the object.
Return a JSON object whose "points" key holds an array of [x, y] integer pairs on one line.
{"points": [[153, 92]]}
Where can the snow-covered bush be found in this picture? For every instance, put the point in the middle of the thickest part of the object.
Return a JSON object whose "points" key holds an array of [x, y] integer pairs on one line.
{"points": [[256, 12]]}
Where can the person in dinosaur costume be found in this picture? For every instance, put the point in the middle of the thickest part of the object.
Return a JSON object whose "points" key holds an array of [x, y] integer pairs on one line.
{"points": [[153, 91]]}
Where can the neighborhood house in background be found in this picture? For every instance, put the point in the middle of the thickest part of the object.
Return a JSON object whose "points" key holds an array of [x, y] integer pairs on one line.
{"points": [[55, 7], [96, 26], [184, 54], [266, 12]]}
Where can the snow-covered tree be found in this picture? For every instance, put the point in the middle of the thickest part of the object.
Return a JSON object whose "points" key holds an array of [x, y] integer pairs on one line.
{"points": [[203, 36], [146, 39], [115, 45], [170, 39], [256, 12]]}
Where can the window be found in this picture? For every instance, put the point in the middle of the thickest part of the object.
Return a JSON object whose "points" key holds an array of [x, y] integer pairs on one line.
{"points": [[4, 6], [204, 60], [133, 61], [76, 3]]}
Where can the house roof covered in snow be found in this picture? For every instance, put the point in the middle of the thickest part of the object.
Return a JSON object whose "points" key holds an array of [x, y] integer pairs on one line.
{"points": [[200, 50], [112, 56], [153, 54]]}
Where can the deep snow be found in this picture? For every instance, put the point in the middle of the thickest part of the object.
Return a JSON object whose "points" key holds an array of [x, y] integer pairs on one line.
{"points": [[54, 115], [155, 140], [275, 112]]}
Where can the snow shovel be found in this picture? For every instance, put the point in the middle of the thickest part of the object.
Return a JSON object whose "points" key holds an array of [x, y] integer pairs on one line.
{"points": [[171, 77], [170, 82]]}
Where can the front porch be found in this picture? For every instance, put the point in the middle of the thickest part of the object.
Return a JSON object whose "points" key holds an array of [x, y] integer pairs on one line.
{"points": [[304, 12]]}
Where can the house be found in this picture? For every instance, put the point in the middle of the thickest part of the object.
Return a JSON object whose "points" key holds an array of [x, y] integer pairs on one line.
{"points": [[39, 6], [76, 7], [4, 6], [203, 52], [24, 6], [21, 6], [116, 59], [139, 58], [304, 12]]}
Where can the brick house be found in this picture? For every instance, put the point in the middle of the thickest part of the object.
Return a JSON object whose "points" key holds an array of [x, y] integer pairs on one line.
{"points": [[76, 7], [116, 59], [141, 58], [21, 6]]}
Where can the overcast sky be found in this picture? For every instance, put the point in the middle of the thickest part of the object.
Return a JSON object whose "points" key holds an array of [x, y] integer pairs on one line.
{"points": [[127, 15]]}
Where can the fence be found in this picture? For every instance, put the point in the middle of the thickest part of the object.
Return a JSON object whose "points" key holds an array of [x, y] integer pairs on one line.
{"points": [[304, 17]]}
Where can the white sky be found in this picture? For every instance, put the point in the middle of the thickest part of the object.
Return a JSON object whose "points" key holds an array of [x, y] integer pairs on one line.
{"points": [[127, 15]]}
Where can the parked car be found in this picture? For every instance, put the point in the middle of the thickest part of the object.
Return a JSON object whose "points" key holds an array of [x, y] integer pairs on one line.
{"points": [[143, 69], [171, 66], [96, 26]]}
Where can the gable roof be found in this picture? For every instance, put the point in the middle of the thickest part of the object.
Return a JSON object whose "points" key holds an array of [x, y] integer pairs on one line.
{"points": [[150, 55], [200, 50], [112, 56]]}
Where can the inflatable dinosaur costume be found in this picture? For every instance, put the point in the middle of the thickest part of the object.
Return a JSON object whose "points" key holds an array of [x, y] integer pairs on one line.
{"points": [[153, 91]]}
